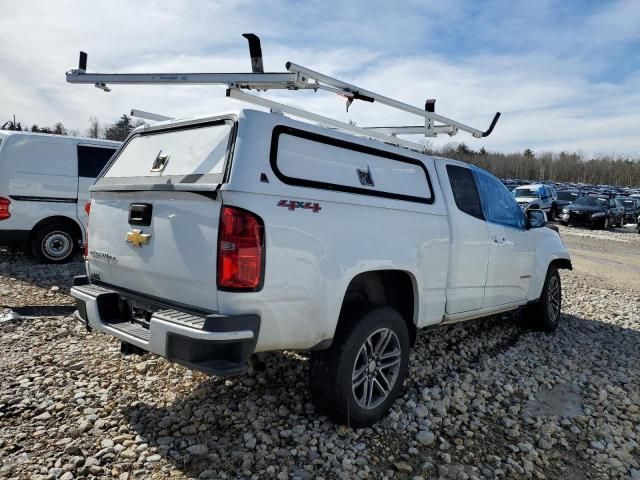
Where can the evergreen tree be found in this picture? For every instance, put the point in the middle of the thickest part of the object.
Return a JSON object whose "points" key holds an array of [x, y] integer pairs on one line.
{"points": [[119, 130]]}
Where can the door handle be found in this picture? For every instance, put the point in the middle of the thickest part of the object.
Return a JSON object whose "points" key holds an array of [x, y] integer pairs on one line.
{"points": [[140, 214]]}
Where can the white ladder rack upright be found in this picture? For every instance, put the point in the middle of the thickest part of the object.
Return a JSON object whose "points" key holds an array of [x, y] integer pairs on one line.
{"points": [[295, 78]]}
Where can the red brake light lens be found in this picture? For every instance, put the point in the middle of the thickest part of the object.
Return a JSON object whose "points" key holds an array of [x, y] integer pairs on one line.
{"points": [[4, 208], [240, 250]]}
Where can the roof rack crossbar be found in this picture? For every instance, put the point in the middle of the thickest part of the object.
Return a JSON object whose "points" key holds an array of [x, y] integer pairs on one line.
{"points": [[154, 117], [296, 77]]}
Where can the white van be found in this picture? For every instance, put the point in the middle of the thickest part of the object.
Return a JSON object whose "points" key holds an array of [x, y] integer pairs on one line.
{"points": [[44, 186]]}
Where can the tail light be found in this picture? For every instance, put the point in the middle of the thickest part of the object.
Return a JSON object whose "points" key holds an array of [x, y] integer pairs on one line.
{"points": [[240, 250], [4, 208], [85, 246]]}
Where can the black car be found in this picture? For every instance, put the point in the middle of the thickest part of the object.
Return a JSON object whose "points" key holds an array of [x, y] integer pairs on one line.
{"points": [[596, 211], [567, 197], [631, 209]]}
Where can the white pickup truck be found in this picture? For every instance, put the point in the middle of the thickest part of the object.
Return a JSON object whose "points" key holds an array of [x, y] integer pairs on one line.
{"points": [[212, 239]]}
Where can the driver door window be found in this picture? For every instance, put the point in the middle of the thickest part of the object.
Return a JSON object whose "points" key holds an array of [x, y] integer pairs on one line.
{"points": [[510, 250]]}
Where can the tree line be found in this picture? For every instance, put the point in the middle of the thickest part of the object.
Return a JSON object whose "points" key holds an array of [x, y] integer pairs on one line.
{"points": [[570, 167], [117, 131], [528, 165]]}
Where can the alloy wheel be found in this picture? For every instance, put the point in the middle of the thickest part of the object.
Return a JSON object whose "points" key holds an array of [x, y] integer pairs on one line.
{"points": [[553, 302], [376, 368]]}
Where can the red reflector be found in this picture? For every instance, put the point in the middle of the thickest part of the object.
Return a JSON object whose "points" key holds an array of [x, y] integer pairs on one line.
{"points": [[4, 208], [240, 250], [87, 207]]}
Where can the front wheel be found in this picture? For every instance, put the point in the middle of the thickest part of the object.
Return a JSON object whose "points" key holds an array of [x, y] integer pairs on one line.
{"points": [[545, 315], [357, 379], [605, 224]]}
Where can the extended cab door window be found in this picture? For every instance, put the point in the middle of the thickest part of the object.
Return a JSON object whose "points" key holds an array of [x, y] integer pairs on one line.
{"points": [[464, 191]]}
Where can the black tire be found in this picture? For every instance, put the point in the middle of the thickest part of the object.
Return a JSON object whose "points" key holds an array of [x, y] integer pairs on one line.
{"points": [[331, 371], [553, 212], [605, 224], [54, 243], [542, 315]]}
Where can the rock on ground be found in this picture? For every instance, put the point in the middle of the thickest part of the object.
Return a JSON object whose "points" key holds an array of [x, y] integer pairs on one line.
{"points": [[484, 399]]}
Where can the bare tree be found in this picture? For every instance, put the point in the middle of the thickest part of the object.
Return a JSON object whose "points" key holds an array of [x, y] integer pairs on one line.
{"points": [[94, 128]]}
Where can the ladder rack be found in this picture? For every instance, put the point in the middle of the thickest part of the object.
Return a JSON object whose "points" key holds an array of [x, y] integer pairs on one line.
{"points": [[296, 77]]}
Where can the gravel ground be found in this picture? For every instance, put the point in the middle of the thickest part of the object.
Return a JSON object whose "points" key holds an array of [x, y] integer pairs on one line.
{"points": [[484, 399]]}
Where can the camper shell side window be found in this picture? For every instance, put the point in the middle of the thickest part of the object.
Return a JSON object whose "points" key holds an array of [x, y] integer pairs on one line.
{"points": [[307, 159]]}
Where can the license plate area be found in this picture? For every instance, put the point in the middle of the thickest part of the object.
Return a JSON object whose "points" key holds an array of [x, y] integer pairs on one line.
{"points": [[136, 312]]}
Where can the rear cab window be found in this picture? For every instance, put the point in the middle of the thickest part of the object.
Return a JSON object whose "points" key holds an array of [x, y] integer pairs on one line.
{"points": [[170, 158]]}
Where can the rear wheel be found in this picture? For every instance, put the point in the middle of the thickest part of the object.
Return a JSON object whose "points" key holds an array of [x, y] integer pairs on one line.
{"points": [[545, 315], [54, 243], [357, 379]]}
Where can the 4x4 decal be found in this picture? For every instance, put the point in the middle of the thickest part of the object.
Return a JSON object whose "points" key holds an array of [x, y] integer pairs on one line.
{"points": [[293, 204]]}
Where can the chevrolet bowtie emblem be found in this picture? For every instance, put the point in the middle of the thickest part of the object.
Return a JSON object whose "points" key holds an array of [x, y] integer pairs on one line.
{"points": [[137, 238]]}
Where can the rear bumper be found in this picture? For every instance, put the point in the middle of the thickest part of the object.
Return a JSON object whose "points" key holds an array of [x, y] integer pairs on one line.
{"points": [[14, 238], [215, 344], [583, 220]]}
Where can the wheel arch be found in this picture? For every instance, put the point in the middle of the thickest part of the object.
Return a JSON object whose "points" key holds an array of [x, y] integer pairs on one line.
{"points": [[540, 273], [561, 264], [390, 287], [58, 219]]}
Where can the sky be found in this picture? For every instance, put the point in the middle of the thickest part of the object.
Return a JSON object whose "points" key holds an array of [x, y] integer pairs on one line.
{"points": [[565, 75]]}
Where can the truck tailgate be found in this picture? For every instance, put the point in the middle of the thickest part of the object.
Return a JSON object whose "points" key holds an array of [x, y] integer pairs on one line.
{"points": [[173, 258]]}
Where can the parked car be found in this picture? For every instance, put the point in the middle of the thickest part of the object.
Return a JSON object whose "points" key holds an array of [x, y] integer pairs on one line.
{"points": [[215, 238], [596, 211], [567, 197], [631, 209], [537, 196], [44, 186]]}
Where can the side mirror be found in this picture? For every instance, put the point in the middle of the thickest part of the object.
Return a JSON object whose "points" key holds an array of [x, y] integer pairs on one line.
{"points": [[536, 218]]}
